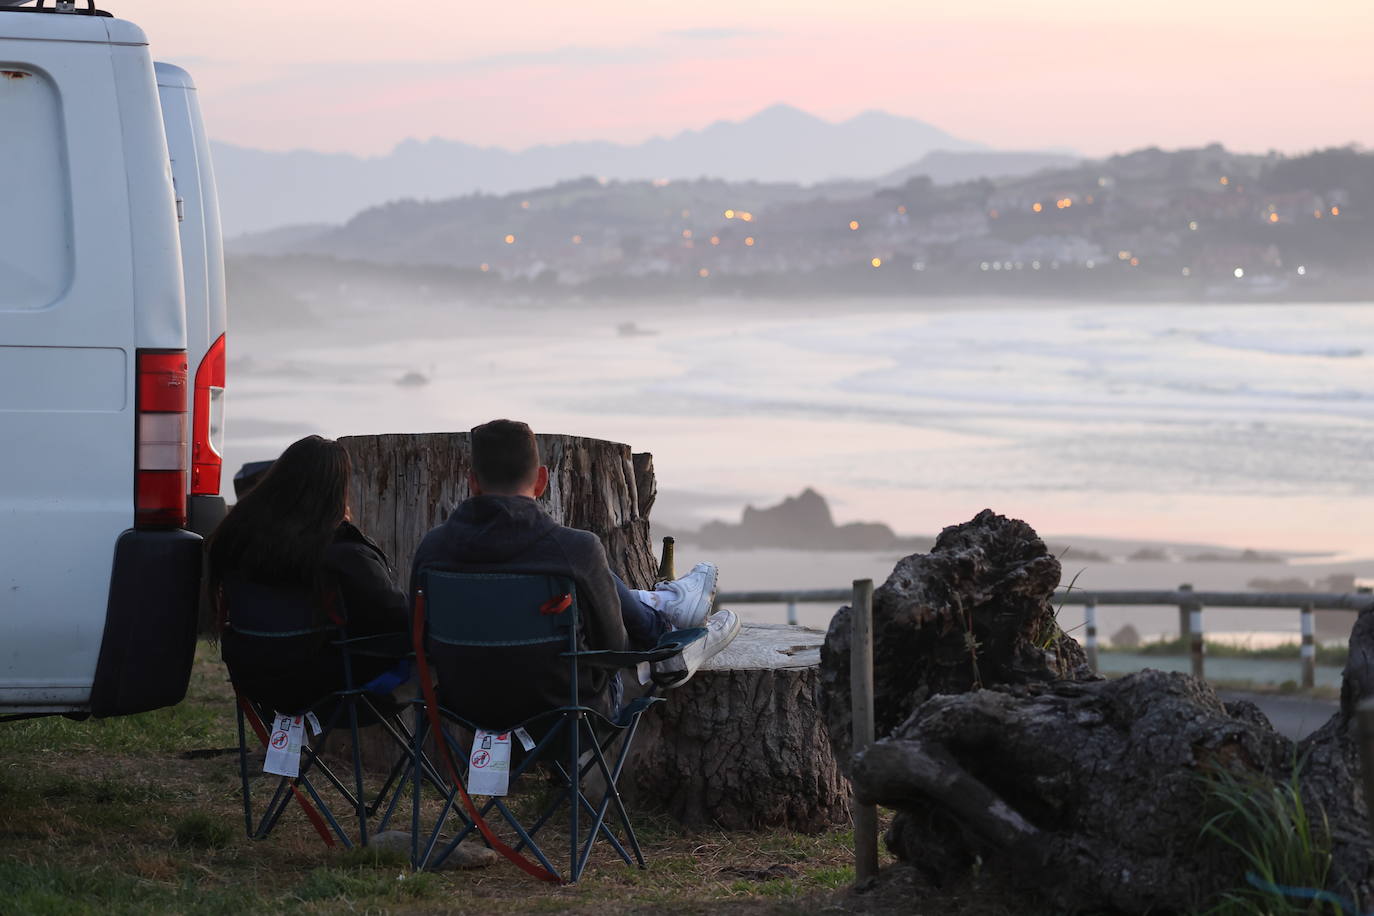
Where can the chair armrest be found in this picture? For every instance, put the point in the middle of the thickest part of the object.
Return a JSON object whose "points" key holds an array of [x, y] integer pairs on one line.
{"points": [[669, 645]]}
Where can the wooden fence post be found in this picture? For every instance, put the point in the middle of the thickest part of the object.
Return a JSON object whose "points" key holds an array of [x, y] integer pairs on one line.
{"points": [[1309, 649], [1090, 625], [861, 689]]}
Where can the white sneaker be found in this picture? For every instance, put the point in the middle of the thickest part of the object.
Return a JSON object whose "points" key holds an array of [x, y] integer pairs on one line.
{"points": [[686, 602], [721, 629]]}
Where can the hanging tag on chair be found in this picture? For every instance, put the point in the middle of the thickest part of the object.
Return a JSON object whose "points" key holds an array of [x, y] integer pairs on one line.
{"points": [[314, 724], [284, 746], [489, 764]]}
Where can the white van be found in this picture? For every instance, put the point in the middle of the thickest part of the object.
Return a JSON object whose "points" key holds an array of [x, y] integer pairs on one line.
{"points": [[99, 448], [202, 262]]}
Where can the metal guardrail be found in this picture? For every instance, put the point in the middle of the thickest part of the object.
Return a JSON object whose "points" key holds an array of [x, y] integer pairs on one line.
{"points": [[1190, 604]]}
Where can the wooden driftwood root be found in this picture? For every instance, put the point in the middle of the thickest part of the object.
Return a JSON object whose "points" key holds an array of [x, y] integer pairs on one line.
{"points": [[997, 744]]}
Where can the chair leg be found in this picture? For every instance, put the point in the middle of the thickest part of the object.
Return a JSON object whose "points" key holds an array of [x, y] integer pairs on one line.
{"points": [[574, 810], [243, 775]]}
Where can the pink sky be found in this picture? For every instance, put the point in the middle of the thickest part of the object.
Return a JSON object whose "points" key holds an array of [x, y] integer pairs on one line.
{"points": [[349, 75]]}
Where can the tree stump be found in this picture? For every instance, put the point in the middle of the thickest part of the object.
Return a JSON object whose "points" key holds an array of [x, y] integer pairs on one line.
{"points": [[742, 745], [404, 485]]}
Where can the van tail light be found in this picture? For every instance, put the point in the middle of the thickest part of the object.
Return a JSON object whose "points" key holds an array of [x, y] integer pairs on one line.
{"points": [[160, 456], [207, 422]]}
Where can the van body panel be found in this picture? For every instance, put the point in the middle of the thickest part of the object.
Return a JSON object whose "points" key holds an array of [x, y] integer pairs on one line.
{"points": [[38, 27], [67, 468], [158, 289], [35, 264], [94, 380]]}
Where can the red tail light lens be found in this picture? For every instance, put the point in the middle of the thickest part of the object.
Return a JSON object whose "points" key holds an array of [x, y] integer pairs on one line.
{"points": [[207, 422], [160, 456]]}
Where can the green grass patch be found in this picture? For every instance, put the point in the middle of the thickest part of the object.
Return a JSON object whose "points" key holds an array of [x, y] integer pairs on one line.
{"points": [[1279, 839], [199, 830], [108, 816], [1326, 655]]}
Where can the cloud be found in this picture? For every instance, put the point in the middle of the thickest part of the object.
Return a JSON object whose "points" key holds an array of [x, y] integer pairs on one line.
{"points": [[716, 34]]}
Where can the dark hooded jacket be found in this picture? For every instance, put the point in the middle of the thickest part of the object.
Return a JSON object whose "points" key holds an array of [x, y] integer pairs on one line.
{"points": [[513, 534]]}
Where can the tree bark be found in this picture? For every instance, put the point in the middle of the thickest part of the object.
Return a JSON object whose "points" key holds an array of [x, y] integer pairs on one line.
{"points": [[742, 744], [404, 485]]}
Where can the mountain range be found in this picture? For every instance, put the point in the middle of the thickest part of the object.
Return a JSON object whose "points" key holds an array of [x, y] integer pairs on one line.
{"points": [[262, 190]]}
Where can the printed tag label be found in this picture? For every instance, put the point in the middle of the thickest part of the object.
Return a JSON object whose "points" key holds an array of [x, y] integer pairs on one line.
{"points": [[489, 765], [314, 724], [525, 740], [284, 746]]}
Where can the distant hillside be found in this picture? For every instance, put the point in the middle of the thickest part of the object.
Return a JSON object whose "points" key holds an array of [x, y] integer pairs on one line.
{"points": [[264, 190], [948, 167]]}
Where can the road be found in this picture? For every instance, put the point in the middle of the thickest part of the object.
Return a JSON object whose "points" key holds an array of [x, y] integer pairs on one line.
{"points": [[1292, 716]]}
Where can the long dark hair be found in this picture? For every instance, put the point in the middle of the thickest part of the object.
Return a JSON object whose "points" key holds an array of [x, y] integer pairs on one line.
{"points": [[278, 531]]}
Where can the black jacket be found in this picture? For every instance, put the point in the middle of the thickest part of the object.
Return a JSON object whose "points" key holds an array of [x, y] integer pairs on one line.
{"points": [[290, 675], [491, 533]]}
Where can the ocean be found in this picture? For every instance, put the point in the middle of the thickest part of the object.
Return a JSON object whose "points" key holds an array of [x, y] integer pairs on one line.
{"points": [[1249, 426], [1246, 426]]}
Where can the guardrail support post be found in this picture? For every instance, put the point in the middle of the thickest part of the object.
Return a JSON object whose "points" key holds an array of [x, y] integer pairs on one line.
{"points": [[791, 612], [1309, 649], [1090, 624], [1184, 623], [861, 690], [1190, 626], [1364, 735]]}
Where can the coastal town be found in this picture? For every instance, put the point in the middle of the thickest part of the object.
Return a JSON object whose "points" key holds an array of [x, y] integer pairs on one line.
{"points": [[1197, 224]]}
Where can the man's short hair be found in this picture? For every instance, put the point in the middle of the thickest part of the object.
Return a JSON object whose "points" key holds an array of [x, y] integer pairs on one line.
{"points": [[505, 455]]}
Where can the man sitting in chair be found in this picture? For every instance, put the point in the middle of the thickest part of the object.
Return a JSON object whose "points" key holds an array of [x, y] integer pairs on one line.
{"points": [[501, 528]]}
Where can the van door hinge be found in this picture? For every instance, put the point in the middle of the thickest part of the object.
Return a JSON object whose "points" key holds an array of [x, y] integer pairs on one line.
{"points": [[181, 208]]}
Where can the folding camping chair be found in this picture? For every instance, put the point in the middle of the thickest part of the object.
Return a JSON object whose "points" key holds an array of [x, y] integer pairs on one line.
{"points": [[531, 623], [281, 623]]}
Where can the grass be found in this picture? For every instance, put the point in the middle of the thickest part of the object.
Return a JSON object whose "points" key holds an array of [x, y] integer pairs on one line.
{"points": [[119, 816], [1326, 655], [1279, 840]]}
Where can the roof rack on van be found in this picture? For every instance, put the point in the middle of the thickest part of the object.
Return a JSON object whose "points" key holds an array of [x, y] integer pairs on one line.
{"points": [[58, 6]]}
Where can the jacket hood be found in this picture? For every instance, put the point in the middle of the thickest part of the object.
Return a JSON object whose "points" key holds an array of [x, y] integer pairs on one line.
{"points": [[493, 529]]}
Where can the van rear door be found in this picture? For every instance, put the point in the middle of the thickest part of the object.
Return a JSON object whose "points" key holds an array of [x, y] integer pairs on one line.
{"points": [[202, 260]]}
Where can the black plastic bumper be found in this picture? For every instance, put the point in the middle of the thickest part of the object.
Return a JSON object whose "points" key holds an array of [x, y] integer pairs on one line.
{"points": [[150, 623], [205, 513]]}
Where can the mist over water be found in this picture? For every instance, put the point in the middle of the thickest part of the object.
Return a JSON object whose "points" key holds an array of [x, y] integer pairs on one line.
{"points": [[1250, 426]]}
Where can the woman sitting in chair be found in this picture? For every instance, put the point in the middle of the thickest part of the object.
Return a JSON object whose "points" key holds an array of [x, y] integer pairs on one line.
{"points": [[289, 574]]}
